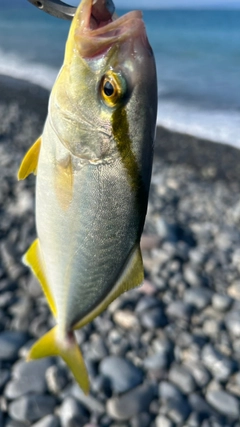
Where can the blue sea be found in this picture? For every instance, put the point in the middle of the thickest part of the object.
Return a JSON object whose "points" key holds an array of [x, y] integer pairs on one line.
{"points": [[197, 55]]}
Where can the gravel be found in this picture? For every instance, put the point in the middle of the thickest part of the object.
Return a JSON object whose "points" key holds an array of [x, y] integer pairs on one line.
{"points": [[163, 355]]}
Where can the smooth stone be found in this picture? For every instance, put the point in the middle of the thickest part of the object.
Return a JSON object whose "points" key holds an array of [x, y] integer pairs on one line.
{"points": [[141, 420], [97, 349], [122, 373], [191, 276], [153, 318], [162, 421], [221, 302], [168, 391], [10, 343], [146, 303], [56, 378], [234, 290], [225, 403], [48, 421], [182, 378], [220, 366], [28, 377], [199, 404], [156, 362], [178, 411], [13, 423], [72, 413], [232, 322], [126, 319], [179, 310], [88, 401], [32, 407], [131, 403], [4, 377], [199, 373], [198, 297]]}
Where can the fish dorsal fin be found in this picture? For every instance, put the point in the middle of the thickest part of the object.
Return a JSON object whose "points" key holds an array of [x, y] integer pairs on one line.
{"points": [[30, 160], [33, 259], [132, 276]]}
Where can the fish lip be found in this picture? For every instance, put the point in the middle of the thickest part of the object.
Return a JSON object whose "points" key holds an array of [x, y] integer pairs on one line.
{"points": [[93, 41]]}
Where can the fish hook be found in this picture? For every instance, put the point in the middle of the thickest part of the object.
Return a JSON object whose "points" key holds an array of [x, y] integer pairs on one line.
{"points": [[56, 8]]}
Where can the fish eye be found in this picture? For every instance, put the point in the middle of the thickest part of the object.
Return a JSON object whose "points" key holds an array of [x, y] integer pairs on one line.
{"points": [[112, 88]]}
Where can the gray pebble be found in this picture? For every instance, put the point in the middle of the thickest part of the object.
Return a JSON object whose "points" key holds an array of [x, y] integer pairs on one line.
{"points": [[72, 413], [96, 349], [198, 297], [199, 373], [88, 401], [122, 374], [168, 391], [199, 404], [156, 362], [131, 403], [163, 421], [191, 276], [153, 318], [13, 423], [56, 378], [182, 378], [48, 421], [141, 420], [179, 310], [31, 407], [10, 343], [221, 302], [178, 411], [28, 377], [224, 403], [145, 303], [4, 377], [221, 367], [232, 322]]}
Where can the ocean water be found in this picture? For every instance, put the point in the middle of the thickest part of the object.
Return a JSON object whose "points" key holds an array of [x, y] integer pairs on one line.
{"points": [[197, 55]]}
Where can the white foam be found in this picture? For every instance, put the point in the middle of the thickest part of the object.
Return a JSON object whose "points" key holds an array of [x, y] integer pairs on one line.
{"points": [[215, 125], [14, 66]]}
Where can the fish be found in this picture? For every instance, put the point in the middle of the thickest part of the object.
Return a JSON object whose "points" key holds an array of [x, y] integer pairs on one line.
{"points": [[93, 166]]}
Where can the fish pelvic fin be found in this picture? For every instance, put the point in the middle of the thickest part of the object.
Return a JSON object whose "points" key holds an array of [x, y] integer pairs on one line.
{"points": [[52, 345], [33, 259], [131, 276], [30, 160]]}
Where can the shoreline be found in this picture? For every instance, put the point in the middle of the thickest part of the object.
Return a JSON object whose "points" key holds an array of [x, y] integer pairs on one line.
{"points": [[214, 160]]}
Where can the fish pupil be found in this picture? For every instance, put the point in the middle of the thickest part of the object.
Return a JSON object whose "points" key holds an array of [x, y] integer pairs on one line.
{"points": [[108, 89]]}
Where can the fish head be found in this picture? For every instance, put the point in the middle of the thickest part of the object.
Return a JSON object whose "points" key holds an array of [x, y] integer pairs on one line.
{"points": [[107, 88]]}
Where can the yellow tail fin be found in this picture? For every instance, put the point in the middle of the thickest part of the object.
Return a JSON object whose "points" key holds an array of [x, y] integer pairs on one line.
{"points": [[50, 345]]}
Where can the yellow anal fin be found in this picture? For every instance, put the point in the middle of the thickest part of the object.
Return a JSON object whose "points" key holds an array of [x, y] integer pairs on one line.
{"points": [[67, 348], [30, 160], [64, 182], [132, 276], [33, 259]]}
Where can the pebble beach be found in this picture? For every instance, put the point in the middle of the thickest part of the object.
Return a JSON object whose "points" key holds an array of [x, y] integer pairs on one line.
{"points": [[166, 354]]}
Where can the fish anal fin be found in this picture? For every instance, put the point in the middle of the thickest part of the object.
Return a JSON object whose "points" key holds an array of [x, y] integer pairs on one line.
{"points": [[33, 259], [132, 276], [63, 181], [30, 160], [66, 347]]}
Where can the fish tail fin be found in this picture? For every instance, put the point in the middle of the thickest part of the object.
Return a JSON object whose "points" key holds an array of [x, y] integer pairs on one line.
{"points": [[51, 345]]}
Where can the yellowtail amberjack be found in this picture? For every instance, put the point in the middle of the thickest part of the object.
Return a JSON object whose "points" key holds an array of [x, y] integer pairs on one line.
{"points": [[93, 164]]}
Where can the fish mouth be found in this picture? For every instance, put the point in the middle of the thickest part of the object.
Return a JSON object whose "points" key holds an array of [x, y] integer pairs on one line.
{"points": [[97, 27]]}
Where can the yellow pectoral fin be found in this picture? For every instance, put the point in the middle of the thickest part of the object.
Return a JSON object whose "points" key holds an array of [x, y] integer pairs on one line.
{"points": [[30, 160], [50, 345], [132, 276], [33, 259]]}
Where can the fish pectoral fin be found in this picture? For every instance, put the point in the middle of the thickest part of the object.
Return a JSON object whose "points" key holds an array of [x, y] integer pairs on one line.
{"points": [[131, 276], [51, 345], [33, 259], [30, 160]]}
